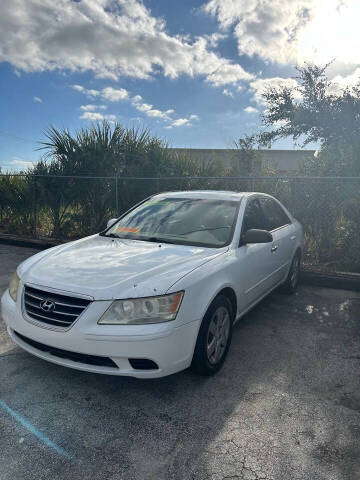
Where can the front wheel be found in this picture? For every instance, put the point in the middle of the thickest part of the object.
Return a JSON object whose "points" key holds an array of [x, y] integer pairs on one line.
{"points": [[292, 280], [214, 337]]}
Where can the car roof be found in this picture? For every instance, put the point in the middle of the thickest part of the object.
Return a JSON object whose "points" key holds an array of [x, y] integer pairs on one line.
{"points": [[207, 194]]}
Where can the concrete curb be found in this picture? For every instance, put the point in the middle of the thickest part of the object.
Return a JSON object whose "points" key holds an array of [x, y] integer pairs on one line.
{"points": [[28, 242], [343, 281]]}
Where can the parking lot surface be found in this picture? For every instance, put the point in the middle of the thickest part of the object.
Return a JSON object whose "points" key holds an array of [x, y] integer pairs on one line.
{"points": [[286, 405]]}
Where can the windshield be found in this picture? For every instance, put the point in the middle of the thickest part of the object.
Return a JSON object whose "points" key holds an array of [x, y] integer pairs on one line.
{"points": [[207, 223]]}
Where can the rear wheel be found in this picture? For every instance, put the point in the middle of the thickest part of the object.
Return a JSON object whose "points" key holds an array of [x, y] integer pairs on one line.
{"points": [[214, 337], [292, 280]]}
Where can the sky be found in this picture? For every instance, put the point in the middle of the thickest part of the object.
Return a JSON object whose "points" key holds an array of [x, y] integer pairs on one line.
{"points": [[192, 71]]}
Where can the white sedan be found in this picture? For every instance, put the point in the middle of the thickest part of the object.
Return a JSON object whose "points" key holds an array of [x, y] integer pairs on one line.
{"points": [[160, 289]]}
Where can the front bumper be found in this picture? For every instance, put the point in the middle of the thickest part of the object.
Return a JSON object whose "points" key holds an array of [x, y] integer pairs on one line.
{"points": [[170, 346]]}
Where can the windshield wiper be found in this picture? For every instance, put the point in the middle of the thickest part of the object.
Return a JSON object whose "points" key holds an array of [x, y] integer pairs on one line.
{"points": [[141, 239], [157, 240], [113, 235]]}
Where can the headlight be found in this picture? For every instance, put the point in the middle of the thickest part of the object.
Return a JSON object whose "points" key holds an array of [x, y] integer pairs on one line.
{"points": [[142, 311], [13, 286]]}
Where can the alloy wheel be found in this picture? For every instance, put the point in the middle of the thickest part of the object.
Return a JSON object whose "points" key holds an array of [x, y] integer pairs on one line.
{"points": [[218, 335]]}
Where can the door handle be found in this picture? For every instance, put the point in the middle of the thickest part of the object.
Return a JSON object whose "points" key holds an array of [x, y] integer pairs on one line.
{"points": [[293, 237], [274, 248]]}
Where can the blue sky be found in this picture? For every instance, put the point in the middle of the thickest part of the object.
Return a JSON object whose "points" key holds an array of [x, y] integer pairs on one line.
{"points": [[192, 71]]}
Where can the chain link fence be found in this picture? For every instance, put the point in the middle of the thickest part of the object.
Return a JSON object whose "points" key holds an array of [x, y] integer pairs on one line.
{"points": [[67, 207]]}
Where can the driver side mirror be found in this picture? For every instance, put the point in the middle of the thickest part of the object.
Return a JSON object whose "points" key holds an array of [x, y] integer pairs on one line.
{"points": [[255, 235], [111, 222]]}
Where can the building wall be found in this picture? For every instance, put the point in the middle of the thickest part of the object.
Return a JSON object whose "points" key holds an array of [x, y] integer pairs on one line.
{"points": [[282, 161]]}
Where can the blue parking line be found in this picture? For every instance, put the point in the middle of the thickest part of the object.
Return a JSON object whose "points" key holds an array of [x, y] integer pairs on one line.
{"points": [[43, 438]]}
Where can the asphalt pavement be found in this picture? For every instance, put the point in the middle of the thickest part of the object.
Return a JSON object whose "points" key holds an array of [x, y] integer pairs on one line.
{"points": [[286, 405]]}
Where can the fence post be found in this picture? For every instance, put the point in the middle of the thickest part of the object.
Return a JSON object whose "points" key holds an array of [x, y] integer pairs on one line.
{"points": [[294, 189], [117, 197], [35, 208]]}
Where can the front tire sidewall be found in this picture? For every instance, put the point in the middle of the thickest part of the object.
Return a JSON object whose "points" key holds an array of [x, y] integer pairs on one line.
{"points": [[289, 286], [201, 363]]}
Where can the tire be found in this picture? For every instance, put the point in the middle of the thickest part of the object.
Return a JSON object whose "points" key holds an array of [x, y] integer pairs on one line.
{"points": [[291, 283], [214, 338]]}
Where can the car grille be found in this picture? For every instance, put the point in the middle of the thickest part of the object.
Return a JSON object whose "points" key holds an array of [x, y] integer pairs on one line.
{"points": [[64, 310]]}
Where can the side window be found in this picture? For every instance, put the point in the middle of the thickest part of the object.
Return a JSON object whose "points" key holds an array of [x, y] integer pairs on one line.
{"points": [[253, 217], [273, 213]]}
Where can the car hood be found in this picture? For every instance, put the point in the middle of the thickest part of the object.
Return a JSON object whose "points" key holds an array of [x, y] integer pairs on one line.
{"points": [[107, 268]]}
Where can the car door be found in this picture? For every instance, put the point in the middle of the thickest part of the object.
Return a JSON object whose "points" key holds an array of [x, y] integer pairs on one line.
{"points": [[282, 230], [255, 263]]}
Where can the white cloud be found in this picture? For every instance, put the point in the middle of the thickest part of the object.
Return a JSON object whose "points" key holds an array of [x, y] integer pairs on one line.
{"points": [[339, 83], [97, 116], [292, 31], [156, 113], [19, 163], [37, 99], [259, 86], [214, 39], [92, 108], [227, 92], [267, 28], [78, 88], [107, 93], [143, 107], [251, 109], [148, 109], [89, 93], [114, 94], [227, 74], [109, 38], [180, 122], [137, 99]]}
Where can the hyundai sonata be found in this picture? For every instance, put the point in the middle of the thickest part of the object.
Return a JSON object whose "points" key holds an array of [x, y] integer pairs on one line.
{"points": [[160, 289]]}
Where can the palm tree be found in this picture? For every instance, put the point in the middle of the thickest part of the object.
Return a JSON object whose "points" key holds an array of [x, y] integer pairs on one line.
{"points": [[105, 151]]}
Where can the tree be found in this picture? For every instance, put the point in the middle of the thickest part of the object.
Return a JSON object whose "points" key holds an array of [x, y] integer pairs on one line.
{"points": [[56, 193], [90, 152], [246, 162], [315, 112], [102, 150], [17, 195]]}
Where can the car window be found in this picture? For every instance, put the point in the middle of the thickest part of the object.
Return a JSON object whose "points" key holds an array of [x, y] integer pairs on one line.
{"points": [[274, 215], [254, 217], [187, 221]]}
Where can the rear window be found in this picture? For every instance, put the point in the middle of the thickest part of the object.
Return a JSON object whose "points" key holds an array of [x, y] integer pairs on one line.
{"points": [[274, 214]]}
